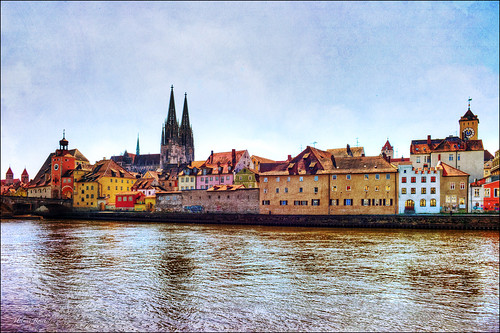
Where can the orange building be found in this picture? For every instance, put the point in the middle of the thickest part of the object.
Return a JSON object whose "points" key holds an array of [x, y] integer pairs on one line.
{"points": [[454, 188]]}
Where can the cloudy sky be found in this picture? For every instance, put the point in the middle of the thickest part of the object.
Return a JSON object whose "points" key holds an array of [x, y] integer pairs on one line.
{"points": [[269, 77]]}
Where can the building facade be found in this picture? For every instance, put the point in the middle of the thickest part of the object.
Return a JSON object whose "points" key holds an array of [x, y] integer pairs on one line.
{"points": [[419, 190], [454, 189]]}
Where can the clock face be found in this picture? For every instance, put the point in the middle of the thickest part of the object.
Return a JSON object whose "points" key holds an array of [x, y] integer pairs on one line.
{"points": [[468, 132]]}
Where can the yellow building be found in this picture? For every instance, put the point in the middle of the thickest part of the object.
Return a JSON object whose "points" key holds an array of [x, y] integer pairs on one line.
{"points": [[316, 182], [246, 177], [104, 181], [453, 188]]}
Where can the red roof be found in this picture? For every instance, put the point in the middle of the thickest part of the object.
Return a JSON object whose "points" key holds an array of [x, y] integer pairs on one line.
{"points": [[448, 170], [9, 172], [387, 146]]}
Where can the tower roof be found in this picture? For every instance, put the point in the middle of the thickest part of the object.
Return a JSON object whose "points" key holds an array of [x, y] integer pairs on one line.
{"points": [[25, 173], [171, 125], [387, 146], [9, 172]]}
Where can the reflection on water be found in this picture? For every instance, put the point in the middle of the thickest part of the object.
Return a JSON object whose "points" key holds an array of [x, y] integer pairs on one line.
{"points": [[104, 276]]}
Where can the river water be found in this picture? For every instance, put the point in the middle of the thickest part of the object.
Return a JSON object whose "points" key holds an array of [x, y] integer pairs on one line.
{"points": [[115, 276]]}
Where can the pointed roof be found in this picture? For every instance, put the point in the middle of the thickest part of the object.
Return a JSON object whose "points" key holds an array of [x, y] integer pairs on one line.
{"points": [[137, 150], [106, 168], [185, 131], [25, 173], [387, 146], [469, 116], [449, 171], [9, 172], [185, 114]]}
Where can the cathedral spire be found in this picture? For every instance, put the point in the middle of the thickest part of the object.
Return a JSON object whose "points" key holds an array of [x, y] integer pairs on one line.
{"points": [[137, 150], [172, 125]]}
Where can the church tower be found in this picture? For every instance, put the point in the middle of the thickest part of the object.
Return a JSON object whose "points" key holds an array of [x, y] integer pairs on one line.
{"points": [[388, 150], [177, 144], [469, 125]]}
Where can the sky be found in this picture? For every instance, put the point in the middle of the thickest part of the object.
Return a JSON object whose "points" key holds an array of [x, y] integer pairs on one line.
{"points": [[268, 77]]}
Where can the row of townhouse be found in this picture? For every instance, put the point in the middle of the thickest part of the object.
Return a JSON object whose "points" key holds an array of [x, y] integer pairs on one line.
{"points": [[484, 194]]}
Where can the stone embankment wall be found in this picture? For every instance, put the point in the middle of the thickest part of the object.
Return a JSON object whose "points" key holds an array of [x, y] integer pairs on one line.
{"points": [[466, 221]]}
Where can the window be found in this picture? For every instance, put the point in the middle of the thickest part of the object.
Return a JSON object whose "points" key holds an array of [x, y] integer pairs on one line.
{"points": [[315, 190], [315, 178], [450, 157], [403, 180], [265, 179], [476, 192], [315, 202], [495, 192], [413, 190], [423, 179], [433, 179], [377, 176], [334, 188], [486, 192], [277, 179], [266, 202], [109, 188], [301, 189], [334, 202], [377, 188], [116, 188], [303, 203], [388, 188], [124, 198], [388, 176], [119, 198], [423, 190], [211, 178], [366, 177], [347, 202], [334, 177], [283, 202], [287, 179], [348, 188], [418, 159], [458, 157], [403, 190], [422, 203], [265, 190], [452, 186], [286, 189], [365, 202], [366, 188], [433, 202], [348, 177], [462, 186], [277, 190], [201, 178], [216, 179], [413, 179], [301, 179]]}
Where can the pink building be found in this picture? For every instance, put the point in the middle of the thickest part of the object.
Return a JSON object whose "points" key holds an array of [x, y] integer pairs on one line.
{"points": [[220, 168]]}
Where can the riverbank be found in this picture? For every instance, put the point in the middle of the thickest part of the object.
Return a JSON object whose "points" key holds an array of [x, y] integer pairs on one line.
{"points": [[437, 221]]}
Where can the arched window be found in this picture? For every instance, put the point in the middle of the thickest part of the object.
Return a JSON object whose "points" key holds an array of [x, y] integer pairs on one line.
{"points": [[433, 202], [422, 203]]}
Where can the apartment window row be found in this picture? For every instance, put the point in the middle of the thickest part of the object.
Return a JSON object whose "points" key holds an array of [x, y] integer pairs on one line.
{"points": [[363, 202], [314, 202], [413, 190], [423, 179]]}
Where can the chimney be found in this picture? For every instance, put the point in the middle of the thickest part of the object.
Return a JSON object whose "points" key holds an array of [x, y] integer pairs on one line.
{"points": [[233, 157], [348, 150], [289, 158], [429, 140], [212, 157], [389, 159]]}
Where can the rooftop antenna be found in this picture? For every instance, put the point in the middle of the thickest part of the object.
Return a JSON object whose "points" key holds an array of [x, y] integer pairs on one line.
{"points": [[314, 144], [357, 142], [470, 99]]}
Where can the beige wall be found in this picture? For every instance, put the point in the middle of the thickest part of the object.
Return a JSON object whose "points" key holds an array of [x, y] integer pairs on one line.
{"points": [[451, 198]]}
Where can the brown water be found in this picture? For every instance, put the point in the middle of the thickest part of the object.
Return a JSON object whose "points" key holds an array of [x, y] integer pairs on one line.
{"points": [[113, 276]]}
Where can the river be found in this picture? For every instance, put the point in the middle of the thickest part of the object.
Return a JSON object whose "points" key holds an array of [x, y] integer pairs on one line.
{"points": [[117, 276]]}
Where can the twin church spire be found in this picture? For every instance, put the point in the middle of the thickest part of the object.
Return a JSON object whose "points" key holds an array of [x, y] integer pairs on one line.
{"points": [[177, 143]]}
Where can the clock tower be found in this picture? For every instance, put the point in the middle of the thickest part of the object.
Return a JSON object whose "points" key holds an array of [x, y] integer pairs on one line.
{"points": [[468, 125]]}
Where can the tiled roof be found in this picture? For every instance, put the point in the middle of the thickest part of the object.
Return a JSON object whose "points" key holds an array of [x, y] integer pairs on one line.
{"points": [[223, 158], [147, 159], [487, 156], [451, 143], [9, 172], [106, 168], [469, 116], [364, 164], [262, 159], [343, 152], [130, 193], [387, 146], [449, 171]]}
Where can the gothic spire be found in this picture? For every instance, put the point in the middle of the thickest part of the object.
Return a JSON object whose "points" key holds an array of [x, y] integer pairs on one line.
{"points": [[137, 150], [171, 126], [185, 132]]}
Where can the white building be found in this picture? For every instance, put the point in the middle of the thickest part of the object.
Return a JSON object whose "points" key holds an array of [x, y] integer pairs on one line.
{"points": [[419, 189]]}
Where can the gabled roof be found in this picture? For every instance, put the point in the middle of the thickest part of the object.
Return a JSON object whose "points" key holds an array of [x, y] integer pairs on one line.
{"points": [[9, 172], [348, 151], [225, 188], [147, 159], [262, 159], [449, 171], [223, 160], [449, 144], [106, 168], [363, 164], [310, 161]]}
